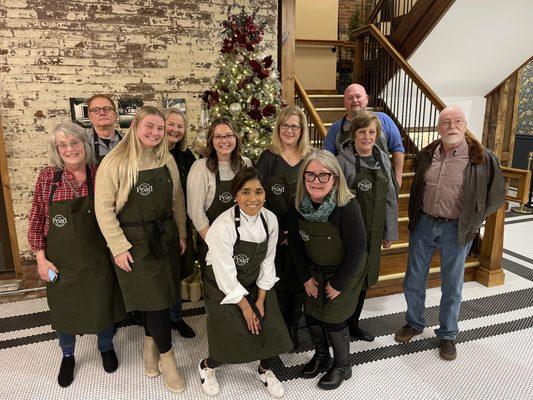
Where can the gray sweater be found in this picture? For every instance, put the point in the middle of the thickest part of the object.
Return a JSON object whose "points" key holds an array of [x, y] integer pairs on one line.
{"points": [[346, 160]]}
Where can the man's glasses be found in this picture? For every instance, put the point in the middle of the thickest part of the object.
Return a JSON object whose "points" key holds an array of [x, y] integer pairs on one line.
{"points": [[323, 177], [98, 110]]}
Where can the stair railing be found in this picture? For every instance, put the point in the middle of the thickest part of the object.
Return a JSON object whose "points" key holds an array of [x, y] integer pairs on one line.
{"points": [[387, 14], [315, 126]]}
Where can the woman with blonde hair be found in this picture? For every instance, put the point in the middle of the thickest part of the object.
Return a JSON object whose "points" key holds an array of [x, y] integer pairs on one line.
{"points": [[209, 180], [279, 168], [141, 211], [327, 244], [71, 253], [176, 131]]}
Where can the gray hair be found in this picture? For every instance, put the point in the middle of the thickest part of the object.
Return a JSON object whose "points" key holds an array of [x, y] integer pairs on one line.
{"points": [[329, 161], [70, 128]]}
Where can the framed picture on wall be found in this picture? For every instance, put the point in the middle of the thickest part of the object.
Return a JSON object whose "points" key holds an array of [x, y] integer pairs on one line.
{"points": [[127, 109], [174, 103], [79, 112]]}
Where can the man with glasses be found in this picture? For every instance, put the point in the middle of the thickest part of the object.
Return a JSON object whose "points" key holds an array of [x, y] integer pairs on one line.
{"points": [[457, 184], [355, 102], [103, 116]]}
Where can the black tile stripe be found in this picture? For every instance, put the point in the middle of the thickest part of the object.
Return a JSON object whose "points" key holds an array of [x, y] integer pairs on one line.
{"points": [[41, 337], [519, 256], [517, 269], [26, 321], [519, 221]]}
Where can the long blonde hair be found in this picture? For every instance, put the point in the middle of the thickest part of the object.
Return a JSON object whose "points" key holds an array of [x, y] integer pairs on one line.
{"points": [[126, 155], [329, 161], [182, 145], [304, 147]]}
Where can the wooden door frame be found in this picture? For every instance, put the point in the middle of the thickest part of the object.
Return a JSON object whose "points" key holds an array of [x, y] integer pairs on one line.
{"points": [[8, 203]]}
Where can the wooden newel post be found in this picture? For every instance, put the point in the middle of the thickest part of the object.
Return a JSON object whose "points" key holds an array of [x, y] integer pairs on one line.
{"points": [[490, 272], [288, 49], [358, 71]]}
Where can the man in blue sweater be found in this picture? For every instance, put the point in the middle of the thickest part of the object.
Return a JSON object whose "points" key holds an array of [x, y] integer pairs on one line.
{"points": [[355, 101]]}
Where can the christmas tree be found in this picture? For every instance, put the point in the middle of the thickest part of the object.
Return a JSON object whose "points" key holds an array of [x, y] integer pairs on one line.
{"points": [[246, 89]]}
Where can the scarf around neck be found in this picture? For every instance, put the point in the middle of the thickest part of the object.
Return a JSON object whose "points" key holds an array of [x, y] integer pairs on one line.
{"points": [[321, 214]]}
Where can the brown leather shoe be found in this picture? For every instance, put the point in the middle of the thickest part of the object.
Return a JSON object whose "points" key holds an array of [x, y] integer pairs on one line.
{"points": [[447, 349], [406, 333]]}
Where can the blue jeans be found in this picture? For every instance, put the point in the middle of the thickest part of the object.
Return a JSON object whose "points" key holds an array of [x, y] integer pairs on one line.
{"points": [[427, 237], [175, 310], [67, 342]]}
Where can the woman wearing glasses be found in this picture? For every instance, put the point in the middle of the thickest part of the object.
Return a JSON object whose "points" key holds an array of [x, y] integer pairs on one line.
{"points": [[327, 245], [140, 210], [71, 253], [368, 174], [209, 180], [279, 168], [243, 319]]}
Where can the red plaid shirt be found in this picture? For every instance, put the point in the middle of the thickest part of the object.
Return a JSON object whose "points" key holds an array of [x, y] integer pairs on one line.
{"points": [[39, 221]]}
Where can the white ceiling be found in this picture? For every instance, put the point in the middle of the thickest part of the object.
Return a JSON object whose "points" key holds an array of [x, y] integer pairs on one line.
{"points": [[475, 46]]}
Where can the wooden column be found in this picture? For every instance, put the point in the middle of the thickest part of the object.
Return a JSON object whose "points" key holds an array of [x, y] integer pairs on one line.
{"points": [[490, 272], [358, 72], [288, 23], [9, 229]]}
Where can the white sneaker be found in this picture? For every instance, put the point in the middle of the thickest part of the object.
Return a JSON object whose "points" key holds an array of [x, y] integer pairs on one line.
{"points": [[273, 385], [209, 380]]}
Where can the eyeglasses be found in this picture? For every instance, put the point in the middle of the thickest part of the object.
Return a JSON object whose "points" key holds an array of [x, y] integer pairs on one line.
{"points": [[456, 121], [323, 177], [229, 137], [98, 110], [286, 127], [74, 144]]}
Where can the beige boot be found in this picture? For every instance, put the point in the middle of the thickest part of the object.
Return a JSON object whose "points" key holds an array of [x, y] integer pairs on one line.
{"points": [[171, 376], [150, 357]]}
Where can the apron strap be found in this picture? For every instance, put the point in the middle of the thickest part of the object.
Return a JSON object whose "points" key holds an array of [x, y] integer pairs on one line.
{"points": [[57, 178], [338, 138], [274, 166], [89, 180], [96, 142], [217, 178], [238, 223]]}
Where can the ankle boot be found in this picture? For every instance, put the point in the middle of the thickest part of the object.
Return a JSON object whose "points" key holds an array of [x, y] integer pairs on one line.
{"points": [[293, 333], [150, 357], [321, 360], [341, 369], [171, 376]]}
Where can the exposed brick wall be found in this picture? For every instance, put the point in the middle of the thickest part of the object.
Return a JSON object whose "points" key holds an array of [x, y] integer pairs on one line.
{"points": [[56, 49], [346, 9]]}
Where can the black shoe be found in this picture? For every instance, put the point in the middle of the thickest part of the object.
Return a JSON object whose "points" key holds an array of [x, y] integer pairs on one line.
{"points": [[293, 333], [341, 369], [185, 330], [321, 360], [110, 361], [360, 334], [66, 371]]}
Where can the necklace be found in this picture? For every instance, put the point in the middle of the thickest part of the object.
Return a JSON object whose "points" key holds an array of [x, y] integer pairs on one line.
{"points": [[75, 185], [293, 159]]}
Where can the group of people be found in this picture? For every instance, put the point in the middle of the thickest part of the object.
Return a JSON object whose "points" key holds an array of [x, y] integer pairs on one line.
{"points": [[113, 219]]}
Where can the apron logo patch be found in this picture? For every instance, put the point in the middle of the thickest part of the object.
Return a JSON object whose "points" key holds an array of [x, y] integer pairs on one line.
{"points": [[278, 189], [59, 221], [225, 197], [304, 235], [144, 189], [241, 259], [364, 185]]}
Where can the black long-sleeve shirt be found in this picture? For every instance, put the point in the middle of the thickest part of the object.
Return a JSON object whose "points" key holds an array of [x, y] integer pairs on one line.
{"points": [[352, 232]]}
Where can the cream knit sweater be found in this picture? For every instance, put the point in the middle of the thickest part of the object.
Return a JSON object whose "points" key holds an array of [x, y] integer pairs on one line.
{"points": [[108, 203]]}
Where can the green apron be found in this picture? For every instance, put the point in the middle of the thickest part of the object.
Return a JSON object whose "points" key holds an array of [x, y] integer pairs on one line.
{"points": [[371, 190], [344, 134], [324, 247], [229, 339], [280, 191], [222, 201], [149, 225], [85, 298]]}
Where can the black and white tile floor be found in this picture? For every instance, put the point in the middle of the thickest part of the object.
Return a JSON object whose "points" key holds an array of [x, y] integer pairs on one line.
{"points": [[495, 350]]}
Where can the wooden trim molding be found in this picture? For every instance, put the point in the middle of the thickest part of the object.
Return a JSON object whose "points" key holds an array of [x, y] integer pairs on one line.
{"points": [[288, 68], [8, 202]]}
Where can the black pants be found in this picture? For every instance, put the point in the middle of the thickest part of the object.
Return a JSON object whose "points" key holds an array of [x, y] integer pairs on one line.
{"points": [[354, 319], [265, 364], [312, 321], [157, 325], [291, 306]]}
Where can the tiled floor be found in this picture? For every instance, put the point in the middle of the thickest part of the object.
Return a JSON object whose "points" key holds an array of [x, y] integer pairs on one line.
{"points": [[495, 350]]}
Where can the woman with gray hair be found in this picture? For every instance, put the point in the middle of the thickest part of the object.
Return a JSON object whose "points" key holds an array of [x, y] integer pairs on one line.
{"points": [[327, 245], [71, 253]]}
